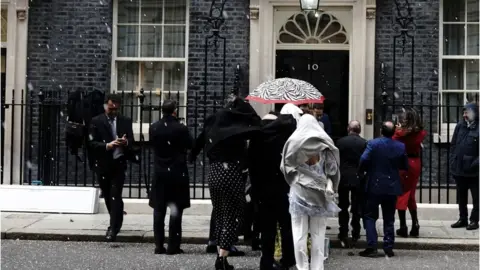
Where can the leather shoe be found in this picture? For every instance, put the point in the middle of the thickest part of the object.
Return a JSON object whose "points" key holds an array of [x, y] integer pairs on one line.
{"points": [[160, 250], [369, 253], [459, 224], [110, 236], [472, 226], [389, 253], [174, 251]]}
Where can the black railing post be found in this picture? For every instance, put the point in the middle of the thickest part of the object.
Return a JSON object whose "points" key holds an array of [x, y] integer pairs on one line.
{"points": [[141, 100]]}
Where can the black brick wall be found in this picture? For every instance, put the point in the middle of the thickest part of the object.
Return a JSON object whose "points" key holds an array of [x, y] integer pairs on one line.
{"points": [[237, 35], [398, 66], [69, 47]]}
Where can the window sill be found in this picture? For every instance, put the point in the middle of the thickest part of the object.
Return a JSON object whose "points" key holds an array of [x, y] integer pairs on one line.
{"points": [[144, 130], [440, 138]]}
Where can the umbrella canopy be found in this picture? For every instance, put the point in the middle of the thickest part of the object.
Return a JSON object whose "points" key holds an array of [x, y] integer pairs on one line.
{"points": [[286, 90]]}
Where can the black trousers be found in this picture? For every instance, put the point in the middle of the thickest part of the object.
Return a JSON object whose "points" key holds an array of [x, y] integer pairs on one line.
{"points": [[349, 196], [174, 226], [463, 185], [273, 212], [111, 184]]}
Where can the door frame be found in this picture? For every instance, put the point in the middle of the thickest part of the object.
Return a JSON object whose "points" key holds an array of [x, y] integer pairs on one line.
{"points": [[361, 46]]}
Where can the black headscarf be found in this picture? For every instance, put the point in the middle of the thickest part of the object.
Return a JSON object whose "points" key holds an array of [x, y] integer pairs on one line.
{"points": [[238, 119]]}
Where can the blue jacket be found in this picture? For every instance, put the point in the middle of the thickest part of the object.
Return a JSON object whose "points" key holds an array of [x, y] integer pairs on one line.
{"points": [[382, 160], [464, 148]]}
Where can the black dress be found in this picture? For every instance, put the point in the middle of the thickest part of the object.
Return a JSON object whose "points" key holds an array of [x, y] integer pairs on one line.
{"points": [[224, 141]]}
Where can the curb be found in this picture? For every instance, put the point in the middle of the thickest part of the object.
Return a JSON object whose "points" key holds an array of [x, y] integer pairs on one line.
{"points": [[141, 237]]}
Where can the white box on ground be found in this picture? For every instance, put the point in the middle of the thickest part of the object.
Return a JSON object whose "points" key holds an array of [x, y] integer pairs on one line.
{"points": [[49, 199]]}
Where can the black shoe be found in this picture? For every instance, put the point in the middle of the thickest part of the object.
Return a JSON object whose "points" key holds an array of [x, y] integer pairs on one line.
{"points": [[402, 232], [111, 236], [369, 253], [160, 250], [328, 228], [415, 231], [459, 224], [174, 251], [472, 226], [212, 249], [222, 264], [234, 252], [389, 253], [343, 240]]}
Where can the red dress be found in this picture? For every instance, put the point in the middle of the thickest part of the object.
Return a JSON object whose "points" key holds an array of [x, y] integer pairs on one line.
{"points": [[413, 146]]}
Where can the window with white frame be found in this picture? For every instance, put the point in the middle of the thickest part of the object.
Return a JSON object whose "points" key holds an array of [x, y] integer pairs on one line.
{"points": [[149, 53], [460, 57]]}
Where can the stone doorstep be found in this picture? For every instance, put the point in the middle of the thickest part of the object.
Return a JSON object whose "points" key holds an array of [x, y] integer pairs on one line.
{"points": [[204, 208], [147, 237]]}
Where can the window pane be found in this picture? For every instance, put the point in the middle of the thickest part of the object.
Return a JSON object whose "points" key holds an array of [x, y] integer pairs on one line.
{"points": [[174, 76], [473, 39], [472, 13], [127, 45], [472, 75], [452, 107], [152, 11], [4, 24], [151, 108], [174, 42], [454, 10], [453, 74], [151, 41], [152, 76], [453, 39], [130, 106], [127, 76], [175, 11], [472, 96], [128, 11]]}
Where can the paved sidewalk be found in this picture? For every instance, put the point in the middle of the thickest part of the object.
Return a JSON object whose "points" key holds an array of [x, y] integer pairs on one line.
{"points": [[435, 235]]}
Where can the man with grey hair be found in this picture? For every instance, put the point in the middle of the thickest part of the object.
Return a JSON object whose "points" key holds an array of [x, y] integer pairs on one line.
{"points": [[351, 148]]}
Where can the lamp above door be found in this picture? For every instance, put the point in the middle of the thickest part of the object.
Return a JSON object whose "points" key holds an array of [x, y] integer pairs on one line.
{"points": [[309, 5]]}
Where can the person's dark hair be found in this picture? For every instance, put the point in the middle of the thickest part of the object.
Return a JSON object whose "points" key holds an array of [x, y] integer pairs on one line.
{"points": [[411, 120], [355, 127], [388, 129], [115, 98], [168, 107], [318, 106]]}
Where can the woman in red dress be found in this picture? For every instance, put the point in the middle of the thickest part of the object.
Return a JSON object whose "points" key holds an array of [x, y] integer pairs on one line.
{"points": [[410, 131]]}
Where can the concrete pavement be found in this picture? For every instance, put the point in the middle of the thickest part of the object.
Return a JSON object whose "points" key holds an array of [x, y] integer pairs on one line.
{"points": [[42, 255], [435, 235]]}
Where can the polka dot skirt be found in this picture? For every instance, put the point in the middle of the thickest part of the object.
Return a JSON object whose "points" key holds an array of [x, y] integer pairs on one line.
{"points": [[227, 189]]}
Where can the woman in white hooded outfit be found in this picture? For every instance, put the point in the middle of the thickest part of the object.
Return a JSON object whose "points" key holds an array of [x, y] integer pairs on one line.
{"points": [[310, 166]]}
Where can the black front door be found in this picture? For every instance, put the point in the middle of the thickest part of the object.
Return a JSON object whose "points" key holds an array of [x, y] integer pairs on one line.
{"points": [[328, 71]]}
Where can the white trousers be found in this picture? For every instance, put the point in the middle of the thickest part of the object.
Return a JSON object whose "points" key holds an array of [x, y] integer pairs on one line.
{"points": [[301, 226]]}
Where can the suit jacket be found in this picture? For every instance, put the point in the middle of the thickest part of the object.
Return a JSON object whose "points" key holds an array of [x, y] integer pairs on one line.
{"points": [[351, 148], [101, 134], [170, 141], [382, 160]]}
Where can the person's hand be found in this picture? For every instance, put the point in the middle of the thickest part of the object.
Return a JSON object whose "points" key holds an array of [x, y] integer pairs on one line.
{"points": [[399, 125], [113, 144], [123, 140]]}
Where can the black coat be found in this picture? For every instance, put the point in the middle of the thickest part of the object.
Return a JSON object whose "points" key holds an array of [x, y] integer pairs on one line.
{"points": [[464, 148], [100, 134], [170, 141], [265, 154], [351, 148], [225, 133]]}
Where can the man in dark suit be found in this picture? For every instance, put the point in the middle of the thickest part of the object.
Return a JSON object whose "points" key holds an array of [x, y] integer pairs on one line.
{"points": [[382, 160], [111, 139], [170, 188], [351, 148]]}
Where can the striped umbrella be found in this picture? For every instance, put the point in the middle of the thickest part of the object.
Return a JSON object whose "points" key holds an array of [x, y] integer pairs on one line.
{"points": [[286, 90]]}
